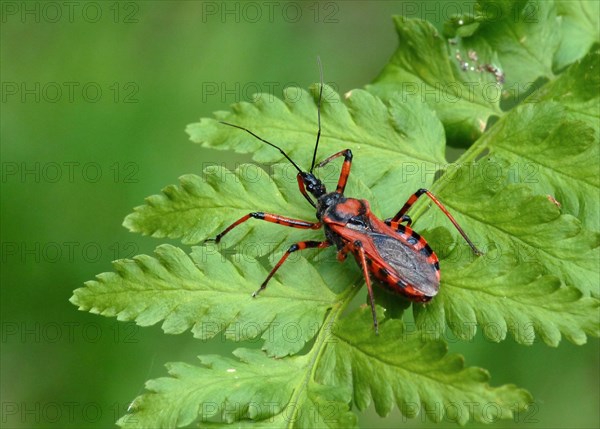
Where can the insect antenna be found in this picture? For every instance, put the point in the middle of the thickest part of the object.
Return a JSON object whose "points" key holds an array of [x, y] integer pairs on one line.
{"points": [[312, 165], [265, 141]]}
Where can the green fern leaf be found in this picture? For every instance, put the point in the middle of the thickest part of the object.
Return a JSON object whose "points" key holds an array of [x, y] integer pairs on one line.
{"points": [[211, 295]]}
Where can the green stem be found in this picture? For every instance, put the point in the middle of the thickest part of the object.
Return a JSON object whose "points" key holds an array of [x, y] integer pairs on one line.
{"points": [[319, 346]]}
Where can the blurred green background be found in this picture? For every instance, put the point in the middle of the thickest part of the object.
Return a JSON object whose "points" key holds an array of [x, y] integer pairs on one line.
{"points": [[95, 99]]}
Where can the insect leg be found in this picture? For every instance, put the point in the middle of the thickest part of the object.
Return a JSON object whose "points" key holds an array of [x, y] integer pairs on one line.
{"points": [[293, 248], [282, 220], [347, 154], [343, 253], [358, 250], [303, 190], [404, 218], [400, 215]]}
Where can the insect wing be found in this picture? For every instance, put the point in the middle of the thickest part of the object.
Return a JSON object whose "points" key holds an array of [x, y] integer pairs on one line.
{"points": [[410, 265]]}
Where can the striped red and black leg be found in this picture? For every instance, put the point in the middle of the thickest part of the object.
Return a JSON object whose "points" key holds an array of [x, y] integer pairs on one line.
{"points": [[343, 253], [400, 215], [362, 261], [303, 190], [347, 154], [273, 218], [356, 247], [293, 248], [403, 219]]}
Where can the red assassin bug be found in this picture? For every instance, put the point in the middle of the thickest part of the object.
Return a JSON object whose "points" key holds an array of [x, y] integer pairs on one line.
{"points": [[391, 252]]}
